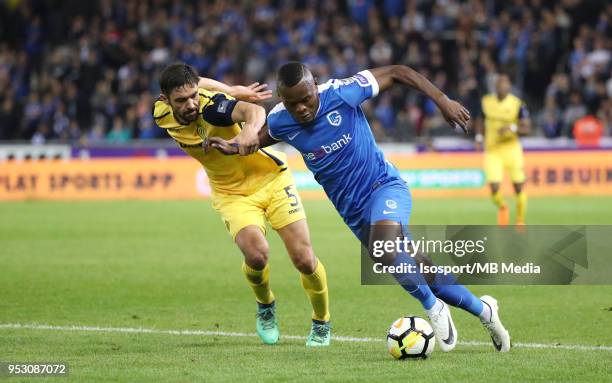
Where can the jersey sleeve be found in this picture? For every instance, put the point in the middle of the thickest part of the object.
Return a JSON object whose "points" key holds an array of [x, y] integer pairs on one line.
{"points": [[273, 122], [272, 136], [355, 90], [218, 111], [267, 130]]}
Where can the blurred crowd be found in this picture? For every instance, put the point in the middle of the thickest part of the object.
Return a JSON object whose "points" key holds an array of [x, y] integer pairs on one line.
{"points": [[86, 71]]}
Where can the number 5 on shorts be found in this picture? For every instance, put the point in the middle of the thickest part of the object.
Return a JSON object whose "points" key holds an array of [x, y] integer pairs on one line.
{"points": [[291, 195]]}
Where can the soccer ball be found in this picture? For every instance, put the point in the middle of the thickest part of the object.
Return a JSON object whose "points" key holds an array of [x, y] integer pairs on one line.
{"points": [[410, 337]]}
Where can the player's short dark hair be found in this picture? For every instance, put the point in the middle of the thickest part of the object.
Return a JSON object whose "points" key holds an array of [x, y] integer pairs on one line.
{"points": [[177, 75], [291, 74]]}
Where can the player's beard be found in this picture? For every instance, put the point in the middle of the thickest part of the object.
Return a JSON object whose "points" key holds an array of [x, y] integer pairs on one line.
{"points": [[189, 117]]}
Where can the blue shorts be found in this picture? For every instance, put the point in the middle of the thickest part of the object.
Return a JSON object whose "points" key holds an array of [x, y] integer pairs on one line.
{"points": [[390, 201]]}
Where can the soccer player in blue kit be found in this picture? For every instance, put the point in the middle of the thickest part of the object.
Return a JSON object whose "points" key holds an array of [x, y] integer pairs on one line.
{"points": [[326, 124]]}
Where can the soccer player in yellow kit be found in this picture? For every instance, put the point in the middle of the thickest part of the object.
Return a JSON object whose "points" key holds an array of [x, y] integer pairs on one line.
{"points": [[247, 189], [505, 118]]}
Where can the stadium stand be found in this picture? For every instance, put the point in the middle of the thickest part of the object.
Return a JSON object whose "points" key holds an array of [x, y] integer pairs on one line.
{"points": [[81, 73]]}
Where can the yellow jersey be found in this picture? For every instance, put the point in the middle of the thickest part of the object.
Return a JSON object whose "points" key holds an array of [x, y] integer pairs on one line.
{"points": [[499, 113], [236, 175]]}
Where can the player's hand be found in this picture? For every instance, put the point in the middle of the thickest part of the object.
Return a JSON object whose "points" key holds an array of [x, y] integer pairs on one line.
{"points": [[246, 141], [253, 93], [454, 113], [223, 146], [505, 130], [206, 145]]}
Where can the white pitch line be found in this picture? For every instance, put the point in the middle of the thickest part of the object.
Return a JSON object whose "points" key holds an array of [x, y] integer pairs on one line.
{"points": [[338, 338]]}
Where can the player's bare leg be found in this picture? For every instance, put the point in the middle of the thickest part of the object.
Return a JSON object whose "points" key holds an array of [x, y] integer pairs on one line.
{"points": [[503, 213], [521, 203], [313, 278], [255, 249], [297, 242]]}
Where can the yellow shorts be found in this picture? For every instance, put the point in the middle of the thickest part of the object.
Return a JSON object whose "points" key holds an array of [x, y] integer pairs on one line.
{"points": [[505, 158], [277, 202]]}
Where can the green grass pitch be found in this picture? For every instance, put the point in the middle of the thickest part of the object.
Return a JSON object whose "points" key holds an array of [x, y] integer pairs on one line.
{"points": [[171, 266]]}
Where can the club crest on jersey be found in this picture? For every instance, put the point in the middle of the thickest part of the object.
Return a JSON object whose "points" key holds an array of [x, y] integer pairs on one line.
{"points": [[391, 204], [201, 131], [334, 118]]}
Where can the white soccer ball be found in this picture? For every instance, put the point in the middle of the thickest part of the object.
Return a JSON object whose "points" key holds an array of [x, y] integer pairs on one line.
{"points": [[410, 337]]}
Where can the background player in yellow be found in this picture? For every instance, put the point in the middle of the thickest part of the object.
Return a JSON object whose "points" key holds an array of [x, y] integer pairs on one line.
{"points": [[505, 118], [247, 190]]}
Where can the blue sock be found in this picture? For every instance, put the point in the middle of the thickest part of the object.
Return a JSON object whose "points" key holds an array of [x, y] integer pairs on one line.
{"points": [[423, 293], [414, 283], [456, 295]]}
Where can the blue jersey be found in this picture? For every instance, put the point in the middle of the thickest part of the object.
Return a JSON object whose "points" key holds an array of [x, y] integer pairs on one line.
{"points": [[338, 145]]}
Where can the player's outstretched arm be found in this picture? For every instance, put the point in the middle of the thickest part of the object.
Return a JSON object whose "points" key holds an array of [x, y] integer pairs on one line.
{"points": [[228, 148], [251, 93], [454, 113], [254, 117]]}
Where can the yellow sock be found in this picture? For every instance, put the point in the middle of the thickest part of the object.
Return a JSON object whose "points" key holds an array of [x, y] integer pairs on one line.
{"points": [[498, 199], [259, 280], [521, 207], [315, 285]]}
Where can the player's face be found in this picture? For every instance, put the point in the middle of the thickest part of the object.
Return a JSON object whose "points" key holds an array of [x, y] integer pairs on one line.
{"points": [[503, 85], [185, 103], [301, 101]]}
